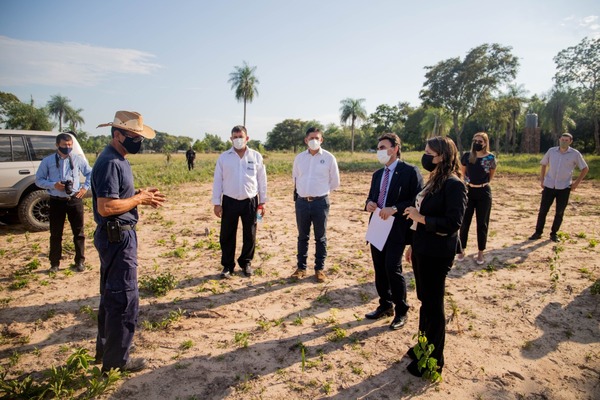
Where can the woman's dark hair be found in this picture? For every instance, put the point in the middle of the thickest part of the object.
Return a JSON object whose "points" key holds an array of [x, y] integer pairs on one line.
{"points": [[449, 165]]}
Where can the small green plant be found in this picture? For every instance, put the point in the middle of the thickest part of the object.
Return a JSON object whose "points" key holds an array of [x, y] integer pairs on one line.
{"points": [[89, 311], [186, 345], [592, 243], [423, 351], [595, 289], [327, 387], [159, 285], [412, 284], [166, 322], [338, 334], [581, 235], [298, 320], [241, 339], [264, 324]]}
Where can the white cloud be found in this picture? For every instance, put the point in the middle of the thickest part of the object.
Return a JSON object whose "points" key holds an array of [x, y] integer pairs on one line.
{"points": [[66, 64]]}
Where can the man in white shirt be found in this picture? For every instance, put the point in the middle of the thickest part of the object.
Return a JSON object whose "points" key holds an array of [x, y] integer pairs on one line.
{"points": [[239, 188], [558, 183], [315, 174]]}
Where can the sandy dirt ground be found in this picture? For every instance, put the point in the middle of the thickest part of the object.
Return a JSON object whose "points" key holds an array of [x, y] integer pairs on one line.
{"points": [[514, 332]]}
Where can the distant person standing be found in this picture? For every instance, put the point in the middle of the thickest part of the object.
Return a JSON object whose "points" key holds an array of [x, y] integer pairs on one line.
{"points": [[190, 156], [59, 174], [558, 183], [315, 173], [478, 168], [393, 188], [115, 201], [239, 188]]}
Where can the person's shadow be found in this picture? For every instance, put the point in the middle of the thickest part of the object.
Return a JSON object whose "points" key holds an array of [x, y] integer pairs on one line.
{"points": [[213, 376], [576, 322]]}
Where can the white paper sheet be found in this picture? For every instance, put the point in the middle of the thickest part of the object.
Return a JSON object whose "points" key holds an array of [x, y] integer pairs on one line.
{"points": [[379, 230]]}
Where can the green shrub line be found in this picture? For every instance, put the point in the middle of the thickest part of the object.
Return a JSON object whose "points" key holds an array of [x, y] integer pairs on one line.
{"points": [[155, 170]]}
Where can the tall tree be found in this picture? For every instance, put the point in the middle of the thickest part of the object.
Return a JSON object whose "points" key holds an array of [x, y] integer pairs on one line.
{"points": [[288, 134], [244, 82], [461, 86], [580, 66], [559, 107], [58, 107], [436, 122], [353, 110], [513, 101], [73, 118], [26, 116]]}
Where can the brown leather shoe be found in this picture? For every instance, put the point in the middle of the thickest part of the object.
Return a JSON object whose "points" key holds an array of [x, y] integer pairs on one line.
{"points": [[320, 275], [299, 273]]}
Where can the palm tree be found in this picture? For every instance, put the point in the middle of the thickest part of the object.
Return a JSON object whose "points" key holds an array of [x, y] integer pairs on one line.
{"points": [[436, 122], [352, 109], [58, 106], [560, 106], [244, 82], [73, 118]]}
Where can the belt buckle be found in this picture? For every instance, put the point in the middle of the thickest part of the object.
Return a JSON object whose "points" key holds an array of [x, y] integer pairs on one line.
{"points": [[310, 198]]}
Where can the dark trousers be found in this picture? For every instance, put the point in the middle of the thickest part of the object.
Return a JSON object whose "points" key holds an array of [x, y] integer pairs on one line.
{"points": [[59, 210], [190, 164], [430, 277], [312, 212], [548, 196], [119, 298], [389, 281], [233, 211], [480, 203]]}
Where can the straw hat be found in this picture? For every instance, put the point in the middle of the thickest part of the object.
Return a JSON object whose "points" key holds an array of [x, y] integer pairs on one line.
{"points": [[131, 121]]}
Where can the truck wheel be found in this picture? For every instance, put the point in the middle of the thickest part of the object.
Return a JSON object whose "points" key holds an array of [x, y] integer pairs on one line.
{"points": [[34, 211]]}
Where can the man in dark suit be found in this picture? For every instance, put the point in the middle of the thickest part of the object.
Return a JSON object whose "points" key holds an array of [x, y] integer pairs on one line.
{"points": [[393, 188]]}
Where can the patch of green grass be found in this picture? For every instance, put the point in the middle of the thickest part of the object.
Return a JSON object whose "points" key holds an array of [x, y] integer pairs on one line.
{"points": [[159, 285]]}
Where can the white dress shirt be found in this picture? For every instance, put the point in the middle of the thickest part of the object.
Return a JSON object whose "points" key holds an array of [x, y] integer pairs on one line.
{"points": [[560, 173], [315, 175], [240, 178]]}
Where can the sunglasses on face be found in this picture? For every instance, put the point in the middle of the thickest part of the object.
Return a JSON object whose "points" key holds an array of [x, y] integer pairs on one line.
{"points": [[135, 139], [479, 141]]}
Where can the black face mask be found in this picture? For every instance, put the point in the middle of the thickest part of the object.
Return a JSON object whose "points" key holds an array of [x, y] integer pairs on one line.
{"points": [[65, 150], [477, 146], [131, 146], [427, 162]]}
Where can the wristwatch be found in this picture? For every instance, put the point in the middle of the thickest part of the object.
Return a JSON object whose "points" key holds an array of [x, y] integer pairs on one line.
{"points": [[395, 209]]}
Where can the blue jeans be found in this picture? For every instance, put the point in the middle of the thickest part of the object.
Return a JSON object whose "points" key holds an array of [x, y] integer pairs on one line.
{"points": [[312, 212]]}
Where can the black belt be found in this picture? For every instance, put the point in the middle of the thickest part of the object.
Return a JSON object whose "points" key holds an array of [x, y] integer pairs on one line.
{"points": [[62, 198], [122, 226], [312, 198]]}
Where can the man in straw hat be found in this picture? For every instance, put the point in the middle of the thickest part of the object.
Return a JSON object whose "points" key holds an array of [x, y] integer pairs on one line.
{"points": [[115, 201]]}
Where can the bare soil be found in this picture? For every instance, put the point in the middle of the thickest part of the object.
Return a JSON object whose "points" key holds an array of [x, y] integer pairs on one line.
{"points": [[512, 333]]}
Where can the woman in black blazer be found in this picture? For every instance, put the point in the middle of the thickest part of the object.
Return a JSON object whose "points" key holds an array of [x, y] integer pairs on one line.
{"points": [[437, 217]]}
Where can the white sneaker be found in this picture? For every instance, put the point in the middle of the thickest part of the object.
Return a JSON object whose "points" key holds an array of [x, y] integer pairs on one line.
{"points": [[460, 257]]}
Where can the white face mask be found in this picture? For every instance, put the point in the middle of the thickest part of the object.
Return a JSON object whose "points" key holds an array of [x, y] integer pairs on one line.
{"points": [[239, 143], [314, 144], [383, 156]]}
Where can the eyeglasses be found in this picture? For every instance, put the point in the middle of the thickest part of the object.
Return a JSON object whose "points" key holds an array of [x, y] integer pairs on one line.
{"points": [[135, 139]]}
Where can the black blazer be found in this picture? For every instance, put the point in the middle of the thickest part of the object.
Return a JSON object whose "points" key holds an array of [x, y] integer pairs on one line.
{"points": [[443, 211], [406, 183]]}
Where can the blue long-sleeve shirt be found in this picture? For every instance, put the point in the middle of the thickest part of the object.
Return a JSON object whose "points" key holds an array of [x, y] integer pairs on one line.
{"points": [[54, 168]]}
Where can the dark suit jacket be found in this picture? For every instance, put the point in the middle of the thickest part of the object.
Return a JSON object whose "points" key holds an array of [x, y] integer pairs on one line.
{"points": [[443, 211], [406, 183]]}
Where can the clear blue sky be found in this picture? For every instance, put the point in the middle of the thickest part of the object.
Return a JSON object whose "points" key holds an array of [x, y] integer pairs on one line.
{"points": [[170, 60]]}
